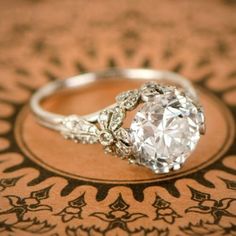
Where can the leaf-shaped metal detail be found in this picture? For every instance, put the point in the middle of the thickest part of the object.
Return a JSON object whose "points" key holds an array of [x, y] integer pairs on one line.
{"points": [[117, 117], [128, 99], [122, 149], [79, 129], [123, 144], [111, 119], [149, 90], [87, 132], [104, 118], [123, 135]]}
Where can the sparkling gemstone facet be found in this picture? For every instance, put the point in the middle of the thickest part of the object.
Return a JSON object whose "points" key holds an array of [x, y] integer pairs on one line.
{"points": [[165, 131]]}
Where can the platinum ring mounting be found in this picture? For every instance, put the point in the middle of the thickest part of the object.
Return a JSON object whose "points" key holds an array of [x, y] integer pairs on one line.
{"points": [[163, 133]]}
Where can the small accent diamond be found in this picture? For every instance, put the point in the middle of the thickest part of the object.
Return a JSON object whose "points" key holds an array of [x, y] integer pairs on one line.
{"points": [[106, 138], [79, 130]]}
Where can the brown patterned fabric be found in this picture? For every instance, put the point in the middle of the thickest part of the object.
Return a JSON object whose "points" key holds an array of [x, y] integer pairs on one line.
{"points": [[51, 186]]}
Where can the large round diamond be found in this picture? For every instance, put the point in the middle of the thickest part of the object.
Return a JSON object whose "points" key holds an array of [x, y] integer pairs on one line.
{"points": [[165, 131]]}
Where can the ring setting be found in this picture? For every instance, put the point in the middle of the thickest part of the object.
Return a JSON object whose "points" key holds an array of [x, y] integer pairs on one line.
{"points": [[163, 133]]}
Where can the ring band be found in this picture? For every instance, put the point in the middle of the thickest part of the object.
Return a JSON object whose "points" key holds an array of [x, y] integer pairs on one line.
{"points": [[163, 133]]}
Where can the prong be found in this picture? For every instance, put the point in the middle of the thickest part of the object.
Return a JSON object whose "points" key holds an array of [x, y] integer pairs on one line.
{"points": [[132, 160], [163, 170], [202, 128], [177, 166]]}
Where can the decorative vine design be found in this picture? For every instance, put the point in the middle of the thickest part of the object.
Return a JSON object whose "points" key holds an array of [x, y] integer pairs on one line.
{"points": [[73, 210], [207, 205], [20, 206], [118, 216], [164, 211]]}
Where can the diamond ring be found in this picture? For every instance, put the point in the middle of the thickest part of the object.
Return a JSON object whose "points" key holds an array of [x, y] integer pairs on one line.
{"points": [[163, 133]]}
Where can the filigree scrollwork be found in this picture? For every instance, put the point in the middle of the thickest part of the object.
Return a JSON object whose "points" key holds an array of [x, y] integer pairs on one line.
{"points": [[108, 131], [73, 210], [118, 216], [164, 211]]}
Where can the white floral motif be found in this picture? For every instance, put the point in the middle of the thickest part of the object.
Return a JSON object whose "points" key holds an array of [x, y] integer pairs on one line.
{"points": [[128, 99], [113, 137], [162, 134]]}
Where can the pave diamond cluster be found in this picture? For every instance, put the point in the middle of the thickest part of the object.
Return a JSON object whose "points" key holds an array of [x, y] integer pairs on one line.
{"points": [[163, 133]]}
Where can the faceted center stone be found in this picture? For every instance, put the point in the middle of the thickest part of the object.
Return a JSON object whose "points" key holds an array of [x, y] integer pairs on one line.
{"points": [[165, 131]]}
